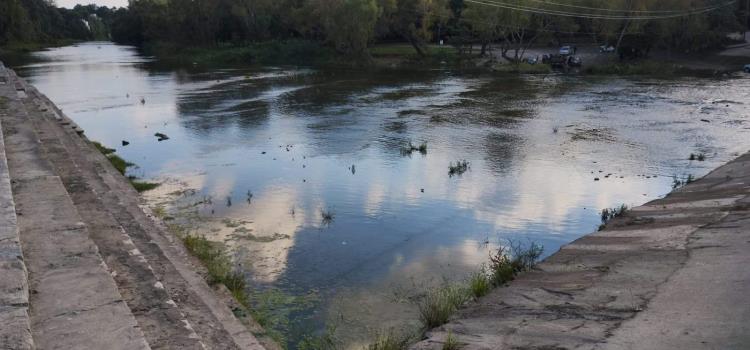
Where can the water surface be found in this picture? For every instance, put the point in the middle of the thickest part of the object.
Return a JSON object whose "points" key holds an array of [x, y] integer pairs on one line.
{"points": [[258, 158]]}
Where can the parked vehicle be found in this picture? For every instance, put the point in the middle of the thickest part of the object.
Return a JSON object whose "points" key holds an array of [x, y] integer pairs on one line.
{"points": [[532, 60], [606, 49], [566, 50], [575, 61], [747, 68]]}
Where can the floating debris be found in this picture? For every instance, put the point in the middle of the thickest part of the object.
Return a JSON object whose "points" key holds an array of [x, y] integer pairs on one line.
{"points": [[161, 137], [125, 143]]}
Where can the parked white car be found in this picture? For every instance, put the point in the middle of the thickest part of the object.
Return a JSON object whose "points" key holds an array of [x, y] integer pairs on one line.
{"points": [[606, 49]]}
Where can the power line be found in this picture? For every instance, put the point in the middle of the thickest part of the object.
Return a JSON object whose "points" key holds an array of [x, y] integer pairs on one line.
{"points": [[537, 10], [611, 10]]}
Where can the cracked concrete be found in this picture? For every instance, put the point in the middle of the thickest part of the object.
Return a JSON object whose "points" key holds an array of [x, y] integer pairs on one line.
{"points": [[671, 274]]}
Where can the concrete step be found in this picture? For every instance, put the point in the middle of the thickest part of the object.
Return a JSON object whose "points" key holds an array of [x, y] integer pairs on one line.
{"points": [[15, 332], [74, 302], [166, 295]]}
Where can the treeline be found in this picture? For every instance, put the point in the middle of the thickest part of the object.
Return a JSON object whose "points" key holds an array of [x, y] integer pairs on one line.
{"points": [[40, 22], [351, 26]]}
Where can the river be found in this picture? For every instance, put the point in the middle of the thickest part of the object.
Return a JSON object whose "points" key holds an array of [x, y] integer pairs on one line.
{"points": [[302, 173]]}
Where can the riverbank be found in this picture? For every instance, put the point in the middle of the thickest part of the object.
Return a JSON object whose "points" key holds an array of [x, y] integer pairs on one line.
{"points": [[669, 274], [403, 56], [100, 271]]}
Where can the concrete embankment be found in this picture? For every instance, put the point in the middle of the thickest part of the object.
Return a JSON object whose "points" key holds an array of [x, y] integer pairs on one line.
{"points": [[671, 274], [82, 265]]}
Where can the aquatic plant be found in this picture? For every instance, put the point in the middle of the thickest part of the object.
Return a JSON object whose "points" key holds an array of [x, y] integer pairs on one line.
{"points": [[143, 186], [459, 168], [327, 216], [410, 148]]}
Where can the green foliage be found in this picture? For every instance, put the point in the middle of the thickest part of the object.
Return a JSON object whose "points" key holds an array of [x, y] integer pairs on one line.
{"points": [[143, 186], [479, 283], [439, 304], [677, 182], [120, 164], [122, 167], [647, 67], [509, 260], [611, 213], [523, 68], [451, 343], [391, 339], [25, 22], [103, 149], [459, 168], [325, 341]]}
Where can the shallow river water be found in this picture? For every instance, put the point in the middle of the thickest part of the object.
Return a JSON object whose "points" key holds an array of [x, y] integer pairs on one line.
{"points": [[301, 173]]}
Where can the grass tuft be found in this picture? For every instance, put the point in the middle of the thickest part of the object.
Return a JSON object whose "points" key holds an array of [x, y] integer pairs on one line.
{"points": [[677, 182], [507, 262], [479, 283], [391, 340], [451, 342], [438, 306], [325, 341], [610, 213]]}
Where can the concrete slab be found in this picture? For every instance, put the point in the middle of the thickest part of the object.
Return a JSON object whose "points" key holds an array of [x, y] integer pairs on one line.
{"points": [[671, 274]]}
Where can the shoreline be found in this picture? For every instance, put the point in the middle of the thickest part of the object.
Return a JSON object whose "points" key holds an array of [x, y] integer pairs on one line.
{"points": [[669, 273]]}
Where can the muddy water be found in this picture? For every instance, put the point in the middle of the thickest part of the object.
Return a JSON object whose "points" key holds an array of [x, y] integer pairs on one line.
{"points": [[301, 172]]}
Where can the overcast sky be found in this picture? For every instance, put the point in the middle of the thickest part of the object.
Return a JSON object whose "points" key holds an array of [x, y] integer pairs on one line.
{"points": [[71, 3]]}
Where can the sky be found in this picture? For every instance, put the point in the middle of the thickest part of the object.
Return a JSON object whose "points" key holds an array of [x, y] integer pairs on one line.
{"points": [[71, 3]]}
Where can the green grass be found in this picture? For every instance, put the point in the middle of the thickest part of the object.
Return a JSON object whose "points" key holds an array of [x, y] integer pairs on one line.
{"points": [[635, 68], [104, 149], [508, 261], [120, 164], [608, 214], [143, 186], [677, 182], [293, 51], [439, 304], [122, 167], [325, 341], [479, 283], [451, 343], [523, 68], [391, 339]]}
